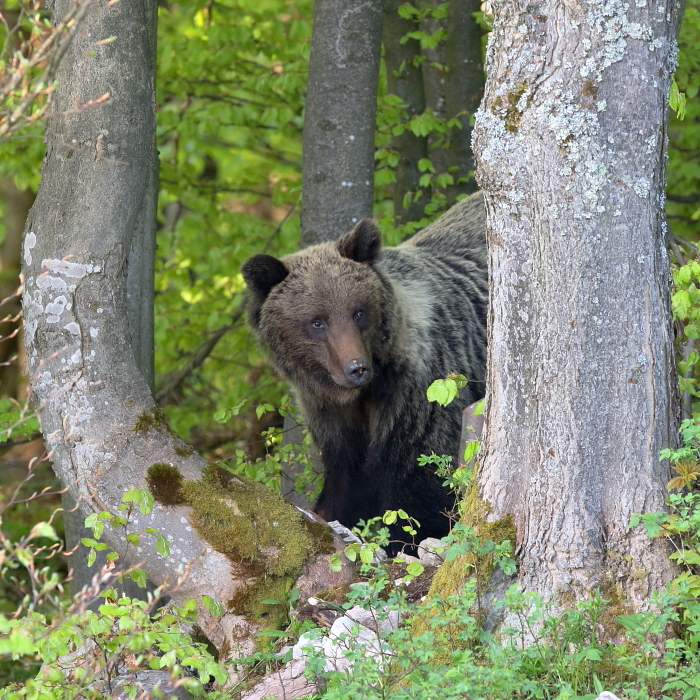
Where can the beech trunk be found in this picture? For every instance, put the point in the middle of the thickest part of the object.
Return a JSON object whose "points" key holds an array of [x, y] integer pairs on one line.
{"points": [[570, 145], [95, 405]]}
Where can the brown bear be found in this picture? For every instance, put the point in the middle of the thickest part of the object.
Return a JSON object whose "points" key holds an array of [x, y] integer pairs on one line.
{"points": [[360, 332]]}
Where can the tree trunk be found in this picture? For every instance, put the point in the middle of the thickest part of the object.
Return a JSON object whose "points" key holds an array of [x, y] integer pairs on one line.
{"points": [[338, 149], [464, 89], [454, 85], [341, 103], [570, 143], [139, 300], [405, 80], [95, 406], [15, 205]]}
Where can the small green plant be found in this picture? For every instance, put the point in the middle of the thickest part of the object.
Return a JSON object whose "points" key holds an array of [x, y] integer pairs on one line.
{"points": [[18, 421], [50, 645], [279, 455], [131, 499], [101, 651], [682, 527], [444, 391]]}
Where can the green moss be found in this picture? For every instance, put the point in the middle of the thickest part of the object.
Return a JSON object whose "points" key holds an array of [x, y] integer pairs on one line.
{"points": [[452, 575], [249, 600], [250, 522], [508, 110], [153, 420], [164, 481], [184, 451], [266, 538]]}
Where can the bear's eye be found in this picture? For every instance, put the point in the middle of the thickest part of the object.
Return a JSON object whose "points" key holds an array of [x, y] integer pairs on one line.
{"points": [[358, 314], [318, 323]]}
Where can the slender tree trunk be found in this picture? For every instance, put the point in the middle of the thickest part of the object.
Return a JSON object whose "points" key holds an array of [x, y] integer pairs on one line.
{"points": [[15, 204], [570, 143], [405, 80], [338, 161], [341, 103], [464, 89]]}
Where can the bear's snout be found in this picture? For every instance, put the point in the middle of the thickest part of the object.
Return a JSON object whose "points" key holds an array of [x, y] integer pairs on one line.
{"points": [[359, 371]]}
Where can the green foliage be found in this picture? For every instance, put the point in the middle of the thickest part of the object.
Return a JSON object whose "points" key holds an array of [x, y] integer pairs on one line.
{"points": [[444, 391], [279, 457], [17, 420], [231, 87], [90, 648], [49, 645], [683, 172], [681, 523], [540, 655]]}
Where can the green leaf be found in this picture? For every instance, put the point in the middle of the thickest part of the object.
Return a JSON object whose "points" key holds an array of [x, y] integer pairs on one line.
{"points": [[479, 408], [443, 391], [272, 633], [415, 568], [676, 100], [138, 577], [366, 555], [213, 606], [334, 563], [470, 450], [389, 518], [163, 546]]}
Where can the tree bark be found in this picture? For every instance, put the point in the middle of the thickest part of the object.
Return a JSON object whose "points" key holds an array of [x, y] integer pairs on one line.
{"points": [[95, 406], [341, 103], [454, 85], [570, 143], [405, 80], [338, 147], [464, 89], [16, 204]]}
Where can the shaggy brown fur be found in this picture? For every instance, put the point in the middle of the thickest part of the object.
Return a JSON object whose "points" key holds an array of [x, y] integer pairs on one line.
{"points": [[360, 331]]}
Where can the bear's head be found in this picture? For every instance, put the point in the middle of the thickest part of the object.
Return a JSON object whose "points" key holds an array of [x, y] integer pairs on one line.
{"points": [[324, 313]]}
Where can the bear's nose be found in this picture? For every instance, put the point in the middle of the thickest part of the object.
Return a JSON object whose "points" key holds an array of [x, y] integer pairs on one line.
{"points": [[359, 372]]}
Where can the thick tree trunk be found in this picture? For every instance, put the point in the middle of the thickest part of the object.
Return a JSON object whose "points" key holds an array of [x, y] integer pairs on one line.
{"points": [[95, 406], [341, 103], [570, 145], [405, 80]]}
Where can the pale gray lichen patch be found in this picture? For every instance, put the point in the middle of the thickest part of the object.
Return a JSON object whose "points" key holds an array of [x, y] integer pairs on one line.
{"points": [[69, 269], [29, 243], [57, 284]]}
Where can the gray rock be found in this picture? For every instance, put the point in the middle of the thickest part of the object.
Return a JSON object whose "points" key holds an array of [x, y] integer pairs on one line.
{"points": [[431, 551]]}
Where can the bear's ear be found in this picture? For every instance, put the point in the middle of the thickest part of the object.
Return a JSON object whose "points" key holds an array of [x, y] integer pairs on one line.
{"points": [[262, 272], [362, 244]]}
